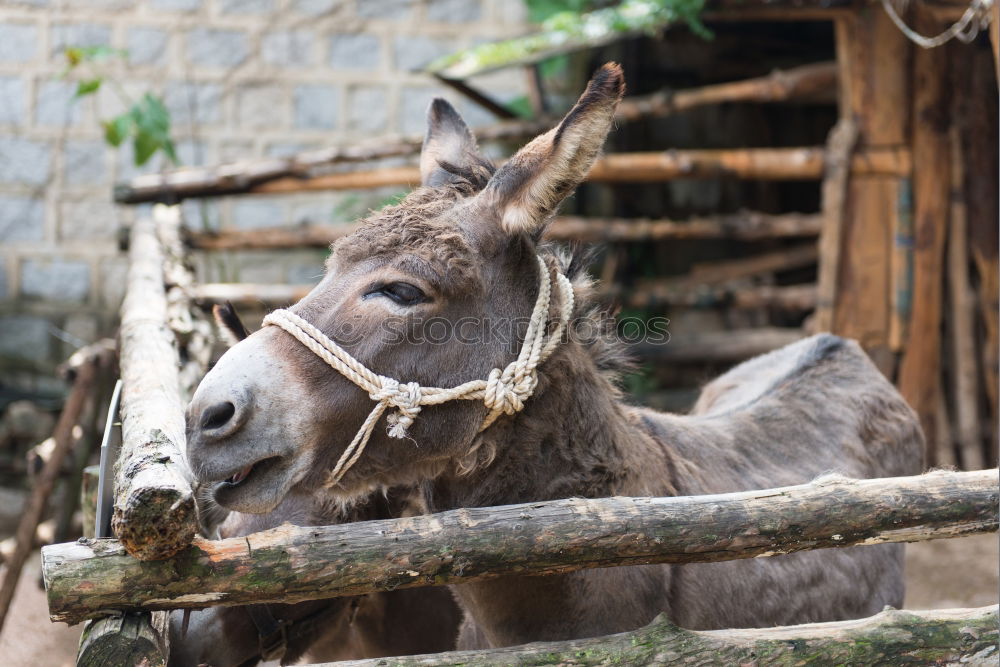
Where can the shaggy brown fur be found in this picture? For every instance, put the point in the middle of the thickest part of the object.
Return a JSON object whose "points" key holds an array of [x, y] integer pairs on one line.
{"points": [[814, 407]]}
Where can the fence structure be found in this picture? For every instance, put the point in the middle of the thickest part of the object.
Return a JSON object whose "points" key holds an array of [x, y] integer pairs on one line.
{"points": [[158, 563]]}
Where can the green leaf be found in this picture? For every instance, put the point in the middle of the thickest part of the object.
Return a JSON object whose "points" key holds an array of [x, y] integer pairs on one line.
{"points": [[118, 128], [521, 106], [88, 87], [145, 145]]}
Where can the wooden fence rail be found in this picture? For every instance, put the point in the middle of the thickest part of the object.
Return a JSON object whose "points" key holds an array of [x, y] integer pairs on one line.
{"points": [[291, 564], [946, 636]]}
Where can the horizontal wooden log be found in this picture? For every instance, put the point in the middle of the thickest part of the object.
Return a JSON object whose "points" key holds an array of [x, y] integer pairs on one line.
{"points": [[750, 163], [154, 510], [649, 294], [745, 226], [728, 346], [779, 164], [939, 636], [812, 81], [290, 563]]}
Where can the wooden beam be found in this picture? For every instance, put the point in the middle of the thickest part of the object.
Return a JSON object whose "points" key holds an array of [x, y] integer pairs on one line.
{"points": [[875, 83], [721, 347], [744, 226], [38, 501], [813, 82], [154, 511], [290, 563], [952, 636], [920, 369]]}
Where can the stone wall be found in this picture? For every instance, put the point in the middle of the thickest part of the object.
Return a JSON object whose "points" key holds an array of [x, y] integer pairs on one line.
{"points": [[242, 78]]}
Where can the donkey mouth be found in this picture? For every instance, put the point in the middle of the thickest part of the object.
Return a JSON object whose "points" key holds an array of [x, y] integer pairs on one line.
{"points": [[249, 487]]}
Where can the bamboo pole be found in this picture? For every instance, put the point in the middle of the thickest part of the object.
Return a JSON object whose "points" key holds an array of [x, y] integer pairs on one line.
{"points": [[289, 564], [952, 636], [154, 511], [86, 377], [744, 226]]}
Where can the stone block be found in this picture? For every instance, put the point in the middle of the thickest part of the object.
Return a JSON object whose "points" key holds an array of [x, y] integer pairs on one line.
{"points": [[387, 10], [414, 52], [88, 220], [24, 337], [18, 42], [316, 7], [147, 46], [84, 162], [245, 6], [256, 212], [454, 11], [176, 5], [24, 161], [55, 279], [56, 104], [262, 106], [211, 47], [288, 48], [21, 219], [65, 35], [12, 100], [355, 51], [316, 107], [198, 103], [113, 280], [368, 108]]}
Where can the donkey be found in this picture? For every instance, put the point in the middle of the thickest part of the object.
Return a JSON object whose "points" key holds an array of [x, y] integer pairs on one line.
{"points": [[395, 623], [465, 247]]}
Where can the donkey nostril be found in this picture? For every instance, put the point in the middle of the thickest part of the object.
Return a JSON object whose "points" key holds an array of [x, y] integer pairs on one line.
{"points": [[217, 415]]}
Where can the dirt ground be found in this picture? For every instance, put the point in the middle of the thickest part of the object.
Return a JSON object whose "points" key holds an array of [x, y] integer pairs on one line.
{"points": [[943, 573]]}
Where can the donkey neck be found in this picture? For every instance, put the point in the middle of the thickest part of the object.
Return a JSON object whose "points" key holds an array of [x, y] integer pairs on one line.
{"points": [[573, 438]]}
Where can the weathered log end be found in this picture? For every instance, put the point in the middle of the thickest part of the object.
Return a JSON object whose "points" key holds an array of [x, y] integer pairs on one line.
{"points": [[129, 639], [154, 523]]}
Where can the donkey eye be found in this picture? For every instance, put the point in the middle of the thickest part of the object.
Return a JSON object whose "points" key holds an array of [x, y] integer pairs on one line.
{"points": [[404, 294]]}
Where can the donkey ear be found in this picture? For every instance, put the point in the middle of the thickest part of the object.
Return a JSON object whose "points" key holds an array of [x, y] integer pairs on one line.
{"points": [[529, 187], [448, 142]]}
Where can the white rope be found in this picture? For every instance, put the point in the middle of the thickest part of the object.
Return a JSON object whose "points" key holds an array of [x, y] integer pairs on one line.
{"points": [[976, 18], [503, 392]]}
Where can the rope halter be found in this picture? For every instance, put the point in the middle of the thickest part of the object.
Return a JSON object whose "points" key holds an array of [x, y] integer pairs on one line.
{"points": [[503, 392]]}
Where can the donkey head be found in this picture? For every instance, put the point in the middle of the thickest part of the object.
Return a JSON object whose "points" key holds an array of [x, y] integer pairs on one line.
{"points": [[415, 294]]}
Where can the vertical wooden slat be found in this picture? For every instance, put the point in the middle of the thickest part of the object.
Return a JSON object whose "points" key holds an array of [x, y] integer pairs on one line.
{"points": [[873, 58], [919, 376]]}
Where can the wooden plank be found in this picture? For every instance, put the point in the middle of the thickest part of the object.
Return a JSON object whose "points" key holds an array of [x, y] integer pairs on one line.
{"points": [[291, 563], [874, 60], [154, 510], [840, 146], [920, 368], [951, 636]]}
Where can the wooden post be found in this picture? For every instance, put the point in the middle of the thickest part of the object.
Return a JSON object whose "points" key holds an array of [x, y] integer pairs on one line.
{"points": [[127, 640], [86, 377], [154, 512], [952, 636], [920, 369], [290, 563], [874, 77]]}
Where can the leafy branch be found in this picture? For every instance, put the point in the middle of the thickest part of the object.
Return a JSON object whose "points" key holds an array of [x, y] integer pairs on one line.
{"points": [[146, 121]]}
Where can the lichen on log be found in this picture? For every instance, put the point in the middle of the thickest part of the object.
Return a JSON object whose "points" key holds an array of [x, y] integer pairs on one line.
{"points": [[946, 636], [291, 564], [154, 511]]}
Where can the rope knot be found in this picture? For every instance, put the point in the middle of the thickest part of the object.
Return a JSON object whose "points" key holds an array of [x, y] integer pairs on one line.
{"points": [[507, 390], [405, 398]]}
